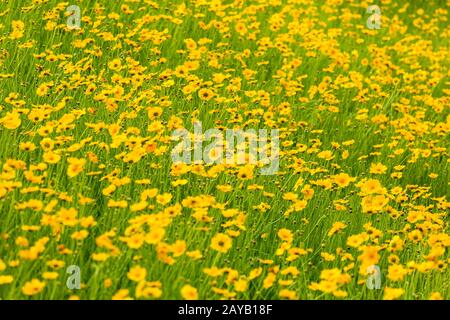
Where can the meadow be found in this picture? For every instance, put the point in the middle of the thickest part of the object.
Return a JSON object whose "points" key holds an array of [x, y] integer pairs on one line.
{"points": [[92, 205]]}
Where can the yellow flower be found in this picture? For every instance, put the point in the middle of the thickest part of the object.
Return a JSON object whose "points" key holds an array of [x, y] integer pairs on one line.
{"points": [[135, 241], [245, 172], [436, 296], [11, 120], [241, 285], [255, 273], [415, 236], [56, 264], [327, 256], [221, 242], [396, 272], [75, 166], [115, 64], [100, 256], [188, 292], [340, 294], [205, 94], [68, 217], [148, 289], [290, 196], [337, 226], [285, 235], [155, 235], [369, 255], [342, 179], [51, 157], [371, 186], [109, 190], [373, 204], [6, 279], [196, 254], [138, 206], [122, 294], [326, 155], [288, 294], [225, 188], [137, 273], [269, 280], [33, 287], [392, 293], [80, 235], [163, 198], [179, 182], [27, 146], [377, 168], [42, 90], [50, 275], [17, 29], [107, 283], [178, 248]]}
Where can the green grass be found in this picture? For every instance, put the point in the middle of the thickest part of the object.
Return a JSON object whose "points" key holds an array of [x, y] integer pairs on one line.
{"points": [[428, 52]]}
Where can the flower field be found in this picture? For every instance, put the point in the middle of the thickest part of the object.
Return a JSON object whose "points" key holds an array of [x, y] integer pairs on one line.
{"points": [[94, 203]]}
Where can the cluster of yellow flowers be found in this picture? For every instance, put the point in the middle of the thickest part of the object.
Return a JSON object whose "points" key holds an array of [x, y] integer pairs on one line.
{"points": [[86, 117]]}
